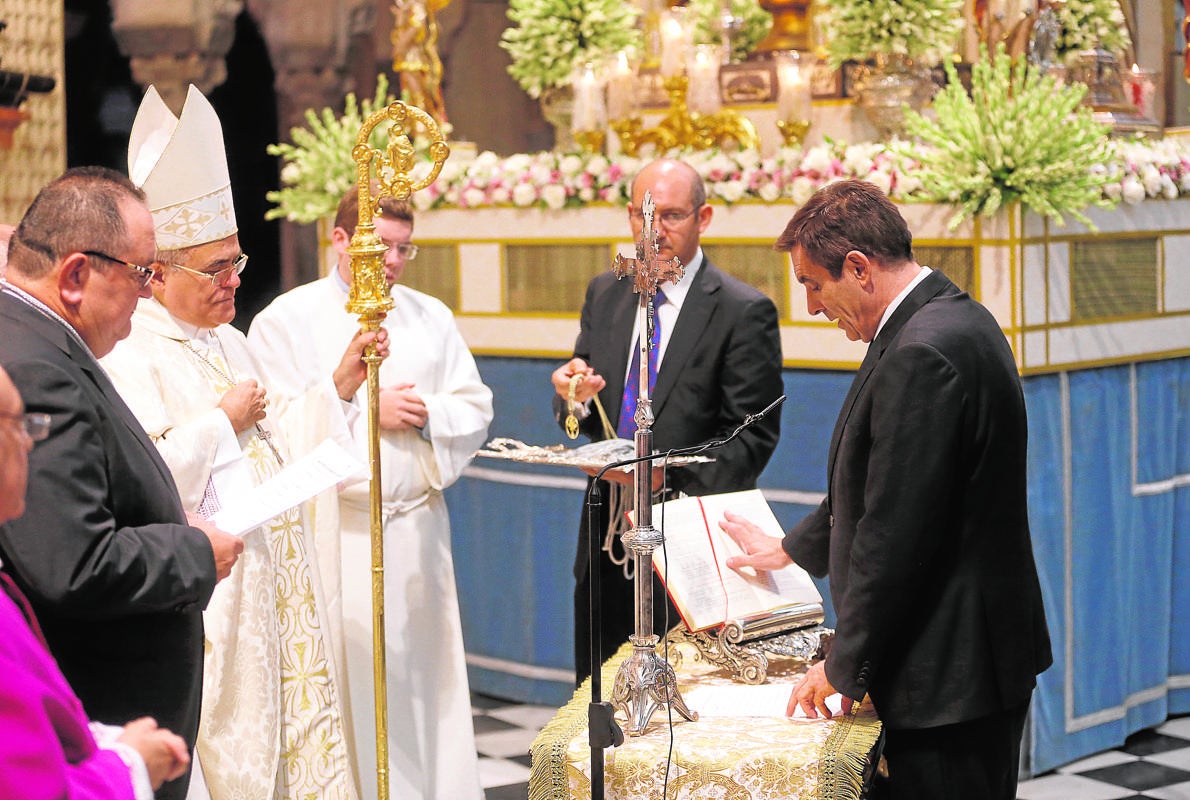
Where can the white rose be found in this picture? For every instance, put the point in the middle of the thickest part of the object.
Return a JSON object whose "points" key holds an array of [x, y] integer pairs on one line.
{"points": [[524, 195], [473, 197], [1133, 190], [1168, 189], [817, 159], [769, 192], [487, 159], [586, 194], [501, 195], [803, 189], [422, 201], [1150, 176], [554, 196], [731, 191], [571, 165], [881, 179]]}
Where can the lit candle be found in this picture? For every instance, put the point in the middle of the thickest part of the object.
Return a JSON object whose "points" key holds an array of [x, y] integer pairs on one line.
{"points": [[1141, 88], [589, 113], [793, 88], [702, 96], [673, 42], [619, 87]]}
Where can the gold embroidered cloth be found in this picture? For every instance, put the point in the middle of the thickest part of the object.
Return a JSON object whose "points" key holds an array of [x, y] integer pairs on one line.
{"points": [[733, 758]]}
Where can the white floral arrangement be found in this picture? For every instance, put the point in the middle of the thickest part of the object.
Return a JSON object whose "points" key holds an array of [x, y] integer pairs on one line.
{"points": [[1135, 170], [752, 20], [318, 168], [549, 38], [924, 30], [1018, 135], [1087, 24]]}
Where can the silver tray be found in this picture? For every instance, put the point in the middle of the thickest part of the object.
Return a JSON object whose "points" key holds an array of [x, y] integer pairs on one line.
{"points": [[588, 456]]}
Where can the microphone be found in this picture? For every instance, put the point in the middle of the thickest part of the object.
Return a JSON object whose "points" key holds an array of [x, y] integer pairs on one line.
{"points": [[749, 421]]}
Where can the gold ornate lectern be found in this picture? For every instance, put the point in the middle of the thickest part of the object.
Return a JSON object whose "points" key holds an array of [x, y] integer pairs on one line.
{"points": [[383, 173]]}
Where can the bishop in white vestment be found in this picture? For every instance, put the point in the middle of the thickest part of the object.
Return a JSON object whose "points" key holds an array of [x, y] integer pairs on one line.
{"points": [[435, 413], [272, 723]]}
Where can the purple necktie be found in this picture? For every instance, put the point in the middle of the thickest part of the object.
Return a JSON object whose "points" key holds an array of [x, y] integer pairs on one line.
{"points": [[626, 427]]}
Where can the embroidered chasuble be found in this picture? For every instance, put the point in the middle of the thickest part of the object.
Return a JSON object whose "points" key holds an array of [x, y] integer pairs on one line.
{"points": [[272, 723]]}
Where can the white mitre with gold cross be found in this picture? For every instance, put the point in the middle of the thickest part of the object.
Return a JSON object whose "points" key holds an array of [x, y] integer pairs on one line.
{"points": [[181, 165]]}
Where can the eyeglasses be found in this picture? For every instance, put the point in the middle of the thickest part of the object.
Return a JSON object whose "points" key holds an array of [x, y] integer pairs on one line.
{"points": [[220, 277], [145, 274], [36, 426], [669, 219], [405, 251]]}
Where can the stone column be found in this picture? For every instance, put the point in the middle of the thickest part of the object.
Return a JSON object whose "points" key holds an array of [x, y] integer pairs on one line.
{"points": [[173, 43]]}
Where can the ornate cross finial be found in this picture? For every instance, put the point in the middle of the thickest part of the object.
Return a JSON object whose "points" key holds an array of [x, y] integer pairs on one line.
{"points": [[648, 269]]}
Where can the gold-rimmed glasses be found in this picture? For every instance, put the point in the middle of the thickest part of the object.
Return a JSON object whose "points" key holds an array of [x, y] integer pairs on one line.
{"points": [[144, 274], [36, 426], [218, 277]]}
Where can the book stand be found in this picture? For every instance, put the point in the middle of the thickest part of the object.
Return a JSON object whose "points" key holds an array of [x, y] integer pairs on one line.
{"points": [[743, 647]]}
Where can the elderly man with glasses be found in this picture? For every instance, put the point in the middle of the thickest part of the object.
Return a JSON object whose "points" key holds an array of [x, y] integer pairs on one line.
{"points": [[718, 360], [116, 575], [434, 414], [272, 719]]}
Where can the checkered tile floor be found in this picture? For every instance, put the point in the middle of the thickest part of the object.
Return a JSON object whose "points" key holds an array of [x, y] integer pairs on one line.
{"points": [[1153, 764]]}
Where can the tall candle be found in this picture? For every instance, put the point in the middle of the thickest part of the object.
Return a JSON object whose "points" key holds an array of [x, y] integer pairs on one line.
{"points": [[702, 96], [793, 88], [619, 87], [589, 113], [673, 42], [1141, 87]]}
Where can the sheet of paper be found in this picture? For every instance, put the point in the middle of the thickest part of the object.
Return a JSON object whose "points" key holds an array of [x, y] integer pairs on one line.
{"points": [[320, 469], [741, 700]]}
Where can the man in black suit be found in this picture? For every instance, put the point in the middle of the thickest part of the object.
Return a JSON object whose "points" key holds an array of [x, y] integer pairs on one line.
{"points": [[719, 360], [117, 577], [924, 530]]}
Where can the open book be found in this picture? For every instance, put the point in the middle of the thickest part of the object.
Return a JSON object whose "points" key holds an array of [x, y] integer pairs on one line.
{"points": [[705, 590]]}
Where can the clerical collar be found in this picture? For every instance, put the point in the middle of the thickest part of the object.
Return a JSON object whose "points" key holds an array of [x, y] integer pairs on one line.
{"points": [[193, 331], [888, 312], [342, 284], [16, 292]]}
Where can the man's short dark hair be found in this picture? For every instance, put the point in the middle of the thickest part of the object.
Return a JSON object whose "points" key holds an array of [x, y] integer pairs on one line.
{"points": [[347, 216], [844, 216], [78, 210]]}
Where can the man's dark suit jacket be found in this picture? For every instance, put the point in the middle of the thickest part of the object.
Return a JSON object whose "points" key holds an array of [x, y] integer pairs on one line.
{"points": [[931, 568], [117, 578], [723, 362]]}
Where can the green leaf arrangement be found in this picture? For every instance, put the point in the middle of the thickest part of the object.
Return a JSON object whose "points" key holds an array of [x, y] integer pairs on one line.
{"points": [[918, 29], [1087, 24], [754, 24], [551, 37], [318, 168], [1018, 136]]}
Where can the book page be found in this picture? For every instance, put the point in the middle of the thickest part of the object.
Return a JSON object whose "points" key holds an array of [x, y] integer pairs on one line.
{"points": [[693, 562]]}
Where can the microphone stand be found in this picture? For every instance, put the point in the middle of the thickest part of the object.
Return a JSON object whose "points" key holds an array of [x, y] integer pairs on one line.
{"points": [[602, 729]]}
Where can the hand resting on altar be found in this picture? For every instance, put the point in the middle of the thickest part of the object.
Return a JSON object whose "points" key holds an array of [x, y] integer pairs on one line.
{"points": [[814, 695]]}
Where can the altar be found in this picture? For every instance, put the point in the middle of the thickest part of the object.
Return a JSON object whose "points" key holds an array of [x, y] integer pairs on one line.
{"points": [[753, 757]]}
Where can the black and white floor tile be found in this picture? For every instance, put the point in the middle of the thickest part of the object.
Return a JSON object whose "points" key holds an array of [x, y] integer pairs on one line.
{"points": [[1151, 765]]}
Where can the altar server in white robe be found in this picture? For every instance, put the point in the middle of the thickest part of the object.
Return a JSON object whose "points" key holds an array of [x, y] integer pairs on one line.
{"points": [[434, 414], [272, 722]]}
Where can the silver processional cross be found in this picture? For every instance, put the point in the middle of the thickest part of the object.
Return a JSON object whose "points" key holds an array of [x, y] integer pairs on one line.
{"points": [[645, 683]]}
